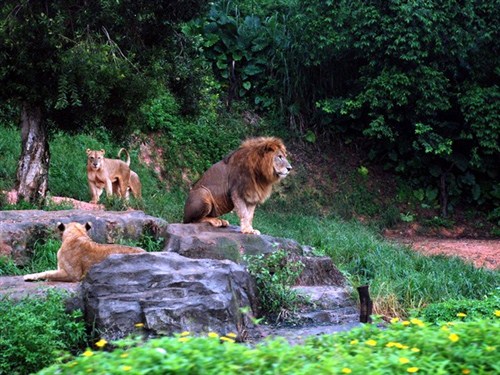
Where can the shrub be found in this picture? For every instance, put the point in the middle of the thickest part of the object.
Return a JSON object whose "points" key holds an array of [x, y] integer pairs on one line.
{"points": [[463, 309], [401, 348], [274, 275], [34, 332]]}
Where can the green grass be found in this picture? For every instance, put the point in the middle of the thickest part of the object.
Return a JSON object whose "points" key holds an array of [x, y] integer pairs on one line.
{"points": [[400, 279]]}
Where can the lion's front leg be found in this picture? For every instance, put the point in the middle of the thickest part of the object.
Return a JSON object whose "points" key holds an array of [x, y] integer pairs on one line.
{"points": [[245, 212], [95, 193]]}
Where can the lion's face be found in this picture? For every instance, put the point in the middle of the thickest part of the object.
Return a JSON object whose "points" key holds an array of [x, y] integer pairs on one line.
{"points": [[281, 165], [95, 158]]}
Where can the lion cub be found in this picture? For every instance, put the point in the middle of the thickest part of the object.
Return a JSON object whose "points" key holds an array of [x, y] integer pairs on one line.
{"points": [[78, 253], [112, 175]]}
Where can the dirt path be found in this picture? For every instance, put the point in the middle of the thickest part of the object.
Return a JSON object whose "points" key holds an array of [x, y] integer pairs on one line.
{"points": [[483, 253]]}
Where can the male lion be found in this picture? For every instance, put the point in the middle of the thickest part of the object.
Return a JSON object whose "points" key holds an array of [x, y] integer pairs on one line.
{"points": [[240, 181], [102, 173], [78, 253]]}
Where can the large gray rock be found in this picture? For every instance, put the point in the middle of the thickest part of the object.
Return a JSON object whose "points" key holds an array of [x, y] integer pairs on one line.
{"points": [[205, 241], [19, 230], [168, 293]]}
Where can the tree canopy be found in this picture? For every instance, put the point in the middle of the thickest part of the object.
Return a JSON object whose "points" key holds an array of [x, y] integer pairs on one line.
{"points": [[82, 64], [415, 82]]}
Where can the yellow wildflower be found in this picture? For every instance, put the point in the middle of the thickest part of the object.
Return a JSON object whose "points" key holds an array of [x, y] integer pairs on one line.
{"points": [[232, 335], [394, 320], [444, 328], [88, 353], [453, 337], [371, 342], [354, 342], [390, 344], [124, 355], [126, 368], [412, 369], [224, 338], [465, 371], [139, 325], [497, 313], [415, 350], [185, 333], [405, 322], [417, 322], [461, 315], [213, 335], [346, 370], [183, 339], [101, 343], [399, 345], [404, 360]]}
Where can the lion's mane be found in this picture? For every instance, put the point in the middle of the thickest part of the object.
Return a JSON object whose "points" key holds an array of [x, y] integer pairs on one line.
{"points": [[240, 181]]}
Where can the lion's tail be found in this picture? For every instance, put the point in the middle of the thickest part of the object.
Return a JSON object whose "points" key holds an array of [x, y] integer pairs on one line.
{"points": [[128, 156]]}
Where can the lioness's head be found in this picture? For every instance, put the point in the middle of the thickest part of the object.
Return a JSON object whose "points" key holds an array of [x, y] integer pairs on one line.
{"points": [[95, 158], [73, 229]]}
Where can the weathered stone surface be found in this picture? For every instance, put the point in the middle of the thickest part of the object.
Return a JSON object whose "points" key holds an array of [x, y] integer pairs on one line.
{"points": [[205, 241], [14, 287], [19, 230], [168, 293]]}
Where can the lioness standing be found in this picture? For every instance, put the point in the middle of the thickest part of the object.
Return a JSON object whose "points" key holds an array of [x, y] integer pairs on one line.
{"points": [[103, 172], [78, 253]]}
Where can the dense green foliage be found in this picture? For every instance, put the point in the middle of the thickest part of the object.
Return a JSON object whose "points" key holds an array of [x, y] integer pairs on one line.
{"points": [[404, 347], [34, 332], [90, 64], [415, 82], [275, 275], [463, 309]]}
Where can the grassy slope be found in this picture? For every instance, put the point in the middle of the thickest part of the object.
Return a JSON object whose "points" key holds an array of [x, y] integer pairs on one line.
{"points": [[302, 208]]}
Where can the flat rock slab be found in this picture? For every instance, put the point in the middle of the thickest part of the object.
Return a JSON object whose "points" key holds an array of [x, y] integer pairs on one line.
{"points": [[19, 230], [205, 241]]}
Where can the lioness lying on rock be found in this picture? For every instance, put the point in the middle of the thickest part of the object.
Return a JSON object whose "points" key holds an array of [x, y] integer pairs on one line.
{"points": [[78, 253], [240, 181]]}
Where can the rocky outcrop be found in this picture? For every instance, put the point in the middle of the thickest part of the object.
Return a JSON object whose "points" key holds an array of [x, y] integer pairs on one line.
{"points": [[167, 293], [198, 283], [19, 230]]}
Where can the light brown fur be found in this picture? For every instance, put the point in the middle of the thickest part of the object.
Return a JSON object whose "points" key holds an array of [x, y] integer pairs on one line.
{"points": [[103, 172], [134, 185], [78, 253], [240, 181]]}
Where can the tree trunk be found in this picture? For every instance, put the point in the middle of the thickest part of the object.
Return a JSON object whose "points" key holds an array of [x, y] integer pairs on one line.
{"points": [[33, 166]]}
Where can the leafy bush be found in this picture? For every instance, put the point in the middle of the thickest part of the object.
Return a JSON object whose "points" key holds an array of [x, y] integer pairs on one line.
{"points": [[463, 309], [401, 348], [274, 275], [35, 331]]}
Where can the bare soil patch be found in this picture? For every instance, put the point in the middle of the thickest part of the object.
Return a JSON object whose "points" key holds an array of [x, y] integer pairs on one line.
{"points": [[482, 253]]}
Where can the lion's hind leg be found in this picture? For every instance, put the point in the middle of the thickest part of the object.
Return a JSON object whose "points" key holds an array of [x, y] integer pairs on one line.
{"points": [[215, 221], [56, 275], [199, 209]]}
